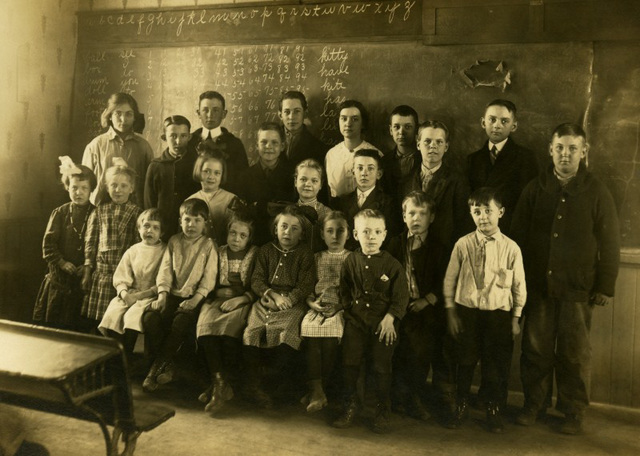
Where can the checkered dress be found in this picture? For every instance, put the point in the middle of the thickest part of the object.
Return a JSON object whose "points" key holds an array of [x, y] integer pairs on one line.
{"points": [[111, 230], [291, 273], [315, 324]]}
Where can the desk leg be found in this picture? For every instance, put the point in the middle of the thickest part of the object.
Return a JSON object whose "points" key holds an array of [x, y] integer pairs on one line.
{"points": [[130, 441]]}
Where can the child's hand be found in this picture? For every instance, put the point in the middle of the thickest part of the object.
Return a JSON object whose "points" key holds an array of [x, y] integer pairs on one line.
{"points": [[283, 302], [67, 267], [601, 300], [232, 304], [225, 293], [80, 270], [515, 326], [453, 322], [268, 303], [189, 304], [129, 298], [330, 310], [160, 303], [418, 305], [86, 279], [386, 330], [316, 304]]}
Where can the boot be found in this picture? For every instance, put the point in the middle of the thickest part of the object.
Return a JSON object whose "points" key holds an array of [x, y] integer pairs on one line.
{"points": [[459, 415], [382, 419], [348, 414], [415, 409], [167, 373], [317, 398], [150, 382], [494, 418], [205, 396], [222, 392], [572, 424]]}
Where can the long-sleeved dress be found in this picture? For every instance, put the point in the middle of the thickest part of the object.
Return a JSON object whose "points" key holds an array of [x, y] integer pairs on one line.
{"points": [[234, 274], [290, 273], [111, 230], [60, 296], [137, 271]]}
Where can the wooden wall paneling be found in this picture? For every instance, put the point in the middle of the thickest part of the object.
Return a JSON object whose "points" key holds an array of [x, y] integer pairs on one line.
{"points": [[622, 336], [601, 340]]}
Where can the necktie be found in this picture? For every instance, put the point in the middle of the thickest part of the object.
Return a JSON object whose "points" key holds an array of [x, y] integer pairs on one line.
{"points": [[361, 199], [416, 242], [494, 154], [482, 259], [426, 178]]}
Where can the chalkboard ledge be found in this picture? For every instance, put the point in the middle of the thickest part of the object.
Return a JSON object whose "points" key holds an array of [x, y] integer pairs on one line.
{"points": [[630, 256]]}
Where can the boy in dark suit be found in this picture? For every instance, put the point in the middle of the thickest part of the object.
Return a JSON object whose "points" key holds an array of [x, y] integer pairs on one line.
{"points": [[422, 330], [266, 181], [211, 111], [367, 172], [502, 164]]}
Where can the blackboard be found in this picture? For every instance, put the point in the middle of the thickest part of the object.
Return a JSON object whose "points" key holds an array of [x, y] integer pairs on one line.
{"points": [[369, 54]]}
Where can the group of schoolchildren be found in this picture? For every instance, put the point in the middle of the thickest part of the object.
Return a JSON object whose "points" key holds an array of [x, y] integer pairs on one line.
{"points": [[353, 256]]}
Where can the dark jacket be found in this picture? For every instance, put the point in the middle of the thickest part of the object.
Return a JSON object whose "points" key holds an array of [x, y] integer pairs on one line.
{"points": [[429, 262], [231, 148], [308, 146], [514, 168], [450, 191], [258, 189], [569, 236], [392, 179], [378, 200], [168, 183]]}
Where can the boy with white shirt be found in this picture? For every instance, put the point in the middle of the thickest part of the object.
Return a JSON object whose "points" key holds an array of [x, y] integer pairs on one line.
{"points": [[353, 121], [211, 112], [484, 292]]}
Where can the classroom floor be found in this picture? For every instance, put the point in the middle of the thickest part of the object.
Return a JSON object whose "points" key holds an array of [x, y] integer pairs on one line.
{"points": [[291, 431]]}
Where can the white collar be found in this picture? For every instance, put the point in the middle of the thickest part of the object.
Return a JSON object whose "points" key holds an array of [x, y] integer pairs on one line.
{"points": [[480, 236], [426, 170], [214, 133], [366, 194], [498, 146]]}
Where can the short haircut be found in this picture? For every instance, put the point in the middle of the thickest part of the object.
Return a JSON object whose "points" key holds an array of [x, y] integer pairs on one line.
{"points": [[194, 207], [404, 111], [309, 163], [116, 170], [569, 129], [369, 213], [243, 216], [212, 95], [335, 215], [419, 198], [434, 124], [294, 211], [206, 155], [116, 99], [175, 120], [85, 174], [294, 95], [510, 105], [483, 197], [152, 214], [364, 114], [272, 126], [369, 153]]}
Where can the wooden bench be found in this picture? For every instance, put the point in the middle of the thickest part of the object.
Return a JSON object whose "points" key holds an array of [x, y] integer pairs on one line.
{"points": [[75, 375]]}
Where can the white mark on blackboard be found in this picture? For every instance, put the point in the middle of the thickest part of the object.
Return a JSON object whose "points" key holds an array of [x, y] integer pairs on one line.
{"points": [[265, 14], [408, 5]]}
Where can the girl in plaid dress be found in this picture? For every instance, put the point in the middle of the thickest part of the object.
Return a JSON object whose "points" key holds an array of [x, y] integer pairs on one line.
{"points": [[111, 230], [223, 318], [60, 296], [283, 277], [322, 326]]}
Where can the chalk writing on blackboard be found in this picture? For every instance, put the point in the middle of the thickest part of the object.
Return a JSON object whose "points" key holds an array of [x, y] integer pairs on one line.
{"points": [[146, 23]]}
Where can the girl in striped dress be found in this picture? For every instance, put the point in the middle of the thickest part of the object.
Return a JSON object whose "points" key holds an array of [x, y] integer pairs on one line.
{"points": [[322, 326]]}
